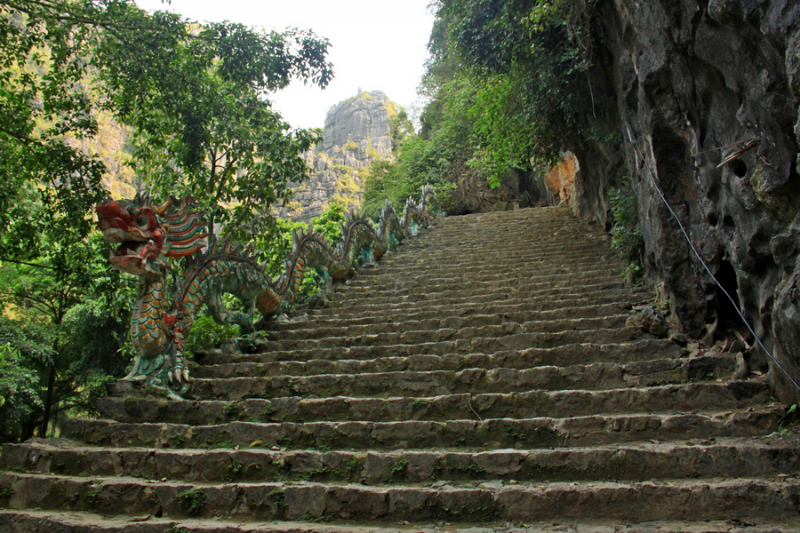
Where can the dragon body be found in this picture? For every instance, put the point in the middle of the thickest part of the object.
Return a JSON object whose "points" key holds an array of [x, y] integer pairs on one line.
{"points": [[167, 303]]}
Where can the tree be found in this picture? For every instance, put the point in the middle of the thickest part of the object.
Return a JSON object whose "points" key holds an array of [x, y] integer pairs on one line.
{"points": [[202, 125], [505, 92], [43, 98], [194, 96], [67, 339]]}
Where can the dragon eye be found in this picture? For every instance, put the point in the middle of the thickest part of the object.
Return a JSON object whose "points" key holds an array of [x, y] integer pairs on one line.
{"points": [[142, 221]]}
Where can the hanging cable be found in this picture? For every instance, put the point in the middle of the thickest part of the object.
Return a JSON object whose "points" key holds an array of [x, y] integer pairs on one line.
{"points": [[634, 142], [2, 260], [57, 269]]}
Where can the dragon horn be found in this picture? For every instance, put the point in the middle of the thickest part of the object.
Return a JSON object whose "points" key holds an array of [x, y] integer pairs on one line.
{"points": [[162, 209]]}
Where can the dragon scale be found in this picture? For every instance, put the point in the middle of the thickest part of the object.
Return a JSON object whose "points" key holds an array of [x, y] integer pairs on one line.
{"points": [[166, 306]]}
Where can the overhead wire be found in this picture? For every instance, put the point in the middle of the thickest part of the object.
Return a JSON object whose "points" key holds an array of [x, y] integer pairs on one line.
{"points": [[634, 143]]}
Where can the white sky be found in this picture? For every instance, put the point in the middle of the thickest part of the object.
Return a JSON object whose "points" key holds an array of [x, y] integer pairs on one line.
{"points": [[375, 45]]}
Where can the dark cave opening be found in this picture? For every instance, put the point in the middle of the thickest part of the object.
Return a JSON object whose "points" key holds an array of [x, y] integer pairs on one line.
{"points": [[738, 167], [727, 311]]}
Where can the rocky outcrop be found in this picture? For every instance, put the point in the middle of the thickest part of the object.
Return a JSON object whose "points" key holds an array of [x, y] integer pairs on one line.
{"points": [[357, 132], [686, 86]]}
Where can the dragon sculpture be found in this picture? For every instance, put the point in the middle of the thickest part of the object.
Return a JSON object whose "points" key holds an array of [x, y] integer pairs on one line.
{"points": [[167, 304]]}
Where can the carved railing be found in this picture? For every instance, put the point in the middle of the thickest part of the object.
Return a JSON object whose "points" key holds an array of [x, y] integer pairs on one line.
{"points": [[148, 235]]}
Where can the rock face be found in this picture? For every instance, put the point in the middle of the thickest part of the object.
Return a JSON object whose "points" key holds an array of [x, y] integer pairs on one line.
{"points": [[687, 85], [357, 132]]}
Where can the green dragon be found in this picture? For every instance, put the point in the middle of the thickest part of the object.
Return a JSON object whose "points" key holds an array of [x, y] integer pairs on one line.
{"points": [[166, 307]]}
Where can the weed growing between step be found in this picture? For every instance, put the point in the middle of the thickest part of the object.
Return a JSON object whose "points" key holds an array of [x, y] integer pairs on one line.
{"points": [[192, 501]]}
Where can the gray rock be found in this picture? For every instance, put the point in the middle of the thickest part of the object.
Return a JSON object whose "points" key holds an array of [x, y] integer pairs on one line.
{"points": [[357, 132], [682, 85]]}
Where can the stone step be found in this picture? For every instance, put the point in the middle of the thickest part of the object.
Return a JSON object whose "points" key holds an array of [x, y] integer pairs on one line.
{"points": [[227, 365], [83, 522], [438, 382], [693, 397], [463, 317], [394, 287], [530, 433], [405, 335], [517, 319], [485, 269], [500, 290], [352, 349], [474, 304], [647, 500], [699, 458], [429, 252], [464, 345]]}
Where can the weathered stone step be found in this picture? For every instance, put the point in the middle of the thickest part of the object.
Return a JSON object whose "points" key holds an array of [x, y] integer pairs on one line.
{"points": [[456, 307], [83, 522], [693, 397], [567, 355], [464, 345], [485, 269], [450, 229], [545, 432], [535, 285], [466, 296], [453, 233], [693, 459], [405, 335], [534, 269], [438, 382], [527, 320], [647, 500], [522, 241], [460, 317]]}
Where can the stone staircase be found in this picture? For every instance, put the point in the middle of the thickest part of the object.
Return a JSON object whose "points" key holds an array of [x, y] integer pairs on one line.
{"points": [[481, 378]]}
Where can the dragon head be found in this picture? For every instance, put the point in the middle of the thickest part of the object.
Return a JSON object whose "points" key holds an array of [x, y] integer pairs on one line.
{"points": [[147, 234]]}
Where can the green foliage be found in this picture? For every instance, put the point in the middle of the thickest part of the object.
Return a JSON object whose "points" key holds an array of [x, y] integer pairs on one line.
{"points": [[401, 125], [69, 341], [329, 222], [362, 95], [43, 97], [202, 126], [206, 333], [342, 169], [627, 235], [193, 97], [276, 244], [279, 497], [192, 501], [505, 87], [789, 416], [18, 395], [51, 370], [419, 163]]}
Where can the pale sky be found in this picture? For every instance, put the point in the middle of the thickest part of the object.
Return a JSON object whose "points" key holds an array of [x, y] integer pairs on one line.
{"points": [[375, 45]]}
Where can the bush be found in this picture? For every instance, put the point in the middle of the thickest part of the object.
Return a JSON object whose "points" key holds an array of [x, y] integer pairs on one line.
{"points": [[627, 234], [206, 333], [19, 400]]}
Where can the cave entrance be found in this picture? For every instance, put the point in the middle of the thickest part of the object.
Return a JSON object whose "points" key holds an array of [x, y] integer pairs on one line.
{"points": [[727, 311]]}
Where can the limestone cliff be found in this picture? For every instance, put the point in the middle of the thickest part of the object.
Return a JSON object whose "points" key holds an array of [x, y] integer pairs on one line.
{"points": [[685, 86], [357, 131]]}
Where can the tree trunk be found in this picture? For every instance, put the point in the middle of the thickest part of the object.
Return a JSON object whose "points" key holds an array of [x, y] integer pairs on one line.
{"points": [[48, 401]]}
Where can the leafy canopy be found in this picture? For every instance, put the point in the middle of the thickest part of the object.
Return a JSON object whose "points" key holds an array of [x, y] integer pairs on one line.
{"points": [[506, 88], [194, 97]]}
